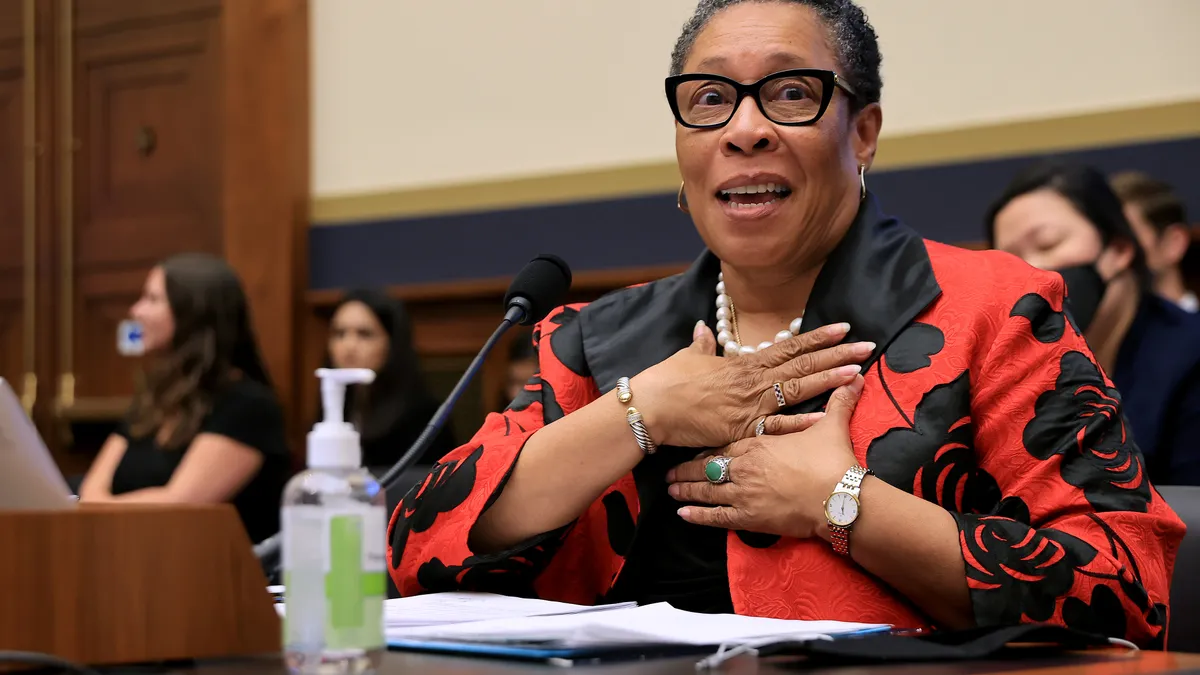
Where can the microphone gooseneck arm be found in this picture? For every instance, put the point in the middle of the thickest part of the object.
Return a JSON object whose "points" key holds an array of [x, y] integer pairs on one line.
{"points": [[270, 547], [439, 419], [538, 287]]}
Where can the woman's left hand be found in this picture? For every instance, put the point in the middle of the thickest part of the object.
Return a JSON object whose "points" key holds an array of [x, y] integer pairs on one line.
{"points": [[778, 482]]}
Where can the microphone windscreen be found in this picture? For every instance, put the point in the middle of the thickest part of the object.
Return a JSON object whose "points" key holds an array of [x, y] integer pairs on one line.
{"points": [[543, 282]]}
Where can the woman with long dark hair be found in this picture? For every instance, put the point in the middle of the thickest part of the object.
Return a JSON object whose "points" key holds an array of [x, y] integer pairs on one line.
{"points": [[206, 425], [371, 330], [1065, 217]]}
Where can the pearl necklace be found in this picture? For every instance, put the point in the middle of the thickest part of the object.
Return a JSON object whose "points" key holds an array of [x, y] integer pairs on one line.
{"points": [[727, 328]]}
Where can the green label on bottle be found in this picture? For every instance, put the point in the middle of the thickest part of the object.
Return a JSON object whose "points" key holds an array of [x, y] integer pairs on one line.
{"points": [[354, 583], [350, 565], [343, 581]]}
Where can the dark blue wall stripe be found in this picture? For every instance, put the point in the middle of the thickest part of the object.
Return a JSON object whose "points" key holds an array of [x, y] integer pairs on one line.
{"points": [[945, 203]]}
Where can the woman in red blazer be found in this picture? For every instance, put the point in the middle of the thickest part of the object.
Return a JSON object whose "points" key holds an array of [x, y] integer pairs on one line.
{"points": [[899, 431]]}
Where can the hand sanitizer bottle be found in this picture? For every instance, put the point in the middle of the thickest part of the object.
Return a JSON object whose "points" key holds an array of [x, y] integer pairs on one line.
{"points": [[334, 531]]}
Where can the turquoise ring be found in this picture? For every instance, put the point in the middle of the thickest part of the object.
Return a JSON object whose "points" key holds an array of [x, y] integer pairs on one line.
{"points": [[716, 469]]}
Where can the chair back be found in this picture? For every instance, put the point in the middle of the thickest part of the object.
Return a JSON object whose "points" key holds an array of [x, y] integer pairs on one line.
{"points": [[1184, 629]]}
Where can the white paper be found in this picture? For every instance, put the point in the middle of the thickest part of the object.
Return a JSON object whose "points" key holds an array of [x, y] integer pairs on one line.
{"points": [[450, 608], [440, 609], [658, 624]]}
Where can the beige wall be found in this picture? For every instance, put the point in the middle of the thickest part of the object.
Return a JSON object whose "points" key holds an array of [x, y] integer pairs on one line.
{"points": [[414, 93]]}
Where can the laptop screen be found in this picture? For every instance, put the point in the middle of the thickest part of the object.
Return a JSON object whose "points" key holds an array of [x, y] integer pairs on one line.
{"points": [[29, 478]]}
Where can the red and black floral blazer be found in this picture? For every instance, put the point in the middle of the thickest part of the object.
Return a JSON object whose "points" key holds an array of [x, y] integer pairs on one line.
{"points": [[982, 397]]}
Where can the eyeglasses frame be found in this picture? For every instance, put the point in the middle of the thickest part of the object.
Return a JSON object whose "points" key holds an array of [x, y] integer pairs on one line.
{"points": [[829, 79]]}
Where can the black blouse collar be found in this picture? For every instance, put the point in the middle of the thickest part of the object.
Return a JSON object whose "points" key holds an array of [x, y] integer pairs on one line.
{"points": [[877, 279]]}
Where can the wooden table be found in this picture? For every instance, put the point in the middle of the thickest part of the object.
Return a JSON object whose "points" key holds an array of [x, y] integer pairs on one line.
{"points": [[1108, 663]]}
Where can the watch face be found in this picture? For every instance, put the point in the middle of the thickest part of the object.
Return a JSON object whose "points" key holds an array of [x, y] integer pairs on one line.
{"points": [[841, 509]]}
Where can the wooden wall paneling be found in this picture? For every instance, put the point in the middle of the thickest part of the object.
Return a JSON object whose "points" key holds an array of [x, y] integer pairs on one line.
{"points": [[27, 118], [46, 209], [312, 340], [105, 14], [265, 192], [17, 219], [140, 171]]}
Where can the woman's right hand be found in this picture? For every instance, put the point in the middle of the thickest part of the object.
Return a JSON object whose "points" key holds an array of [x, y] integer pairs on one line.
{"points": [[696, 399]]}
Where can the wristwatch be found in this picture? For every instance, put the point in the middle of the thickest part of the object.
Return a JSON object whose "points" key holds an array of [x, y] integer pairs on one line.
{"points": [[841, 508]]}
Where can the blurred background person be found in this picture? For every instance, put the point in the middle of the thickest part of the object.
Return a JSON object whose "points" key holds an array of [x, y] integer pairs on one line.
{"points": [[1065, 217], [522, 365], [206, 426], [371, 330], [1159, 219]]}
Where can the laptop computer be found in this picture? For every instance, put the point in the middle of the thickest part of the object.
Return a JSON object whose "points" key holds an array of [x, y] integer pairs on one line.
{"points": [[29, 478]]}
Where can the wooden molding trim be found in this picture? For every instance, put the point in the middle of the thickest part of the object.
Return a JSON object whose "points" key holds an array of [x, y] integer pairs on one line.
{"points": [[474, 289], [102, 409]]}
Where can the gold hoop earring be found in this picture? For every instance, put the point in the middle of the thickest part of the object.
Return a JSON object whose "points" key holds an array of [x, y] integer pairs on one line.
{"points": [[862, 181], [681, 200]]}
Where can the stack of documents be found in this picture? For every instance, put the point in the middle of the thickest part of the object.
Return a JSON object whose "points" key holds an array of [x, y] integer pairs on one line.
{"points": [[658, 624], [498, 625], [441, 609]]}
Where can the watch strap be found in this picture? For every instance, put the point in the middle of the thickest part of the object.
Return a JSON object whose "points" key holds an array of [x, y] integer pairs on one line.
{"points": [[839, 535]]}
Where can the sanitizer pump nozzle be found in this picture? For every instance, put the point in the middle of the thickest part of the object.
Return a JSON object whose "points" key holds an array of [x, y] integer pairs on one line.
{"points": [[333, 443]]}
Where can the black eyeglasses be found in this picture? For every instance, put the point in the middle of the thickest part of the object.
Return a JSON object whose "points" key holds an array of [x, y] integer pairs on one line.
{"points": [[791, 97]]}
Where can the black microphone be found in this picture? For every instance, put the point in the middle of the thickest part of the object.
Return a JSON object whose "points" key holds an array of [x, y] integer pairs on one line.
{"points": [[539, 287]]}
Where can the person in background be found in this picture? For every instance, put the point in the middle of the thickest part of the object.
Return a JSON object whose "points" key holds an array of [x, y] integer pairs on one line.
{"points": [[371, 330], [899, 431], [206, 426], [522, 365], [1159, 220], [1066, 217]]}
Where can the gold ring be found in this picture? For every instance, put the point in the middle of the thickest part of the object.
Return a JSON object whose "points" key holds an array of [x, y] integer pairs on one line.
{"points": [[779, 395]]}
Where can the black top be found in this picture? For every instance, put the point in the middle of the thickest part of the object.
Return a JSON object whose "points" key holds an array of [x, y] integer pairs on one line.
{"points": [[246, 412], [1158, 374], [669, 559], [672, 560], [383, 451]]}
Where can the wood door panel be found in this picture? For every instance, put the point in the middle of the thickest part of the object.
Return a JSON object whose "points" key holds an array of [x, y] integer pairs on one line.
{"points": [[12, 137], [148, 166], [12, 173], [11, 14], [106, 294], [147, 171], [103, 372], [12, 345], [93, 16], [13, 160]]}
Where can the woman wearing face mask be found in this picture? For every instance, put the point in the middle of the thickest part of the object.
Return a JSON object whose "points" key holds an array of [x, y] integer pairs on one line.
{"points": [[371, 330], [1065, 217], [825, 416], [206, 427]]}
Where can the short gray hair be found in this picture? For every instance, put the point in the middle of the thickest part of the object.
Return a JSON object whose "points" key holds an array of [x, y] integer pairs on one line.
{"points": [[850, 35]]}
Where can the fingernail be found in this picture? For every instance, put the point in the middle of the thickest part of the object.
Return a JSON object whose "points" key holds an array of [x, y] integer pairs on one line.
{"points": [[671, 476], [698, 330], [673, 490], [839, 329], [816, 415], [848, 371], [683, 512], [864, 348], [857, 385]]}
